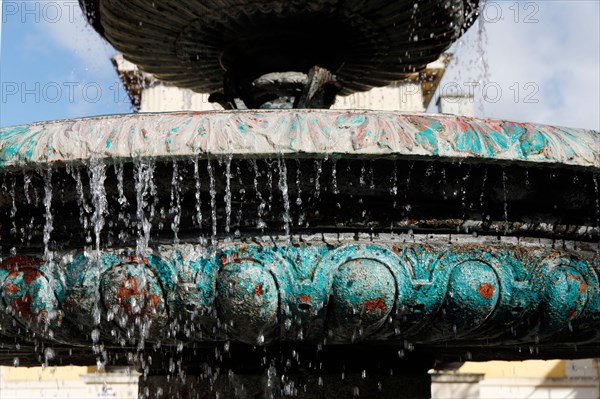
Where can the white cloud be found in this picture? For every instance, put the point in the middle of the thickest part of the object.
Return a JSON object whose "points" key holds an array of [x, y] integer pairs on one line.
{"points": [[71, 32], [559, 55]]}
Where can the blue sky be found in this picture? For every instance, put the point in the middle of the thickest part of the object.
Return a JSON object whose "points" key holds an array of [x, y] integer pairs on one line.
{"points": [[542, 57]]}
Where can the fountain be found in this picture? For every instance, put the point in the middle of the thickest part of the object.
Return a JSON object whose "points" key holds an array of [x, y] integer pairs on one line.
{"points": [[265, 252]]}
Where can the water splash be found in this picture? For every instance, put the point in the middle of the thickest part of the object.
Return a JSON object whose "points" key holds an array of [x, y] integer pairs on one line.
{"points": [[213, 201], [49, 219], [302, 214], [504, 197], [283, 187], [228, 195], [175, 205], [198, 192], [145, 197], [334, 178], [394, 180], [260, 224], [99, 202]]}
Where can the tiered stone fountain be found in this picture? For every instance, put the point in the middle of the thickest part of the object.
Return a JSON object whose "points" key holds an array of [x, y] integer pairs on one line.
{"points": [[311, 253]]}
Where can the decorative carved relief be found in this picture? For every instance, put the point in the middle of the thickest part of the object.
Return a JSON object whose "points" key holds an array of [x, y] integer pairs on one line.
{"points": [[429, 295]]}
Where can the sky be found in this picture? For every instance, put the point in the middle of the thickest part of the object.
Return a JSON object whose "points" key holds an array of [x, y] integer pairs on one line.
{"points": [[536, 61]]}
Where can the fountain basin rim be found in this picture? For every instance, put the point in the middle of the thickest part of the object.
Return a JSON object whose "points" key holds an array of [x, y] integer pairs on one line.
{"points": [[297, 133], [580, 248]]}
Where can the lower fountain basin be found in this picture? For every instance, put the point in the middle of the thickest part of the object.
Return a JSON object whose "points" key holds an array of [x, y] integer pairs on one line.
{"points": [[302, 229]]}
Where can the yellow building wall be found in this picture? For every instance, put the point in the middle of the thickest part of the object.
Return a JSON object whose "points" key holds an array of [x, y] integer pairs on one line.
{"points": [[523, 369], [45, 374]]}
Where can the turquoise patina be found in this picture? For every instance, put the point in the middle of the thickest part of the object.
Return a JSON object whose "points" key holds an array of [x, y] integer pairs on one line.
{"points": [[489, 296], [274, 133], [190, 230]]}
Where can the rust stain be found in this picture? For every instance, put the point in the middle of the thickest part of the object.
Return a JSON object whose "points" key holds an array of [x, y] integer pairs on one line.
{"points": [[258, 291], [581, 287], [304, 298], [153, 300], [22, 306], [12, 288], [375, 304], [485, 290], [129, 288], [18, 262], [29, 275], [233, 257], [137, 260]]}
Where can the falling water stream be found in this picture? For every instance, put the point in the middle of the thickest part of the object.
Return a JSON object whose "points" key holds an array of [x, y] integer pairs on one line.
{"points": [[239, 196]]}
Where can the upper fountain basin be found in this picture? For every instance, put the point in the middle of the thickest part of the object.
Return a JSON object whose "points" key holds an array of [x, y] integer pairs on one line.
{"points": [[199, 44]]}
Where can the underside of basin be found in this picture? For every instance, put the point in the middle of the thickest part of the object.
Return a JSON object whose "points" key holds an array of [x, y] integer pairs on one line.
{"points": [[250, 53], [194, 44]]}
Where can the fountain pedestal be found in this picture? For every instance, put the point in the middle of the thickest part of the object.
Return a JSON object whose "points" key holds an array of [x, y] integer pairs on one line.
{"points": [[332, 372], [304, 385]]}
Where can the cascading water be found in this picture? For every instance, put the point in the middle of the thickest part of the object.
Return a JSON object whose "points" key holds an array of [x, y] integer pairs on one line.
{"points": [[309, 253], [144, 273]]}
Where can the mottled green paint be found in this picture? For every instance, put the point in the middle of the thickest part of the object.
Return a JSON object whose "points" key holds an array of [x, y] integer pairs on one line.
{"points": [[492, 296]]}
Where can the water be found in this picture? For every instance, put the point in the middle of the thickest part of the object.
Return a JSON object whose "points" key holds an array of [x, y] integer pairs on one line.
{"points": [[146, 194], [175, 206], [228, 195], [504, 195], [283, 187], [198, 193], [318, 171], [273, 201], [334, 181], [49, 218], [26, 185], [99, 202], [394, 180], [260, 224], [597, 194], [83, 206], [213, 202], [123, 203], [301, 213], [118, 204]]}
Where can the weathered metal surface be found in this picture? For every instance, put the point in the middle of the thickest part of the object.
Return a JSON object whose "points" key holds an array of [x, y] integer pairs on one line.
{"points": [[288, 134], [29, 297], [206, 45], [163, 178], [481, 295]]}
